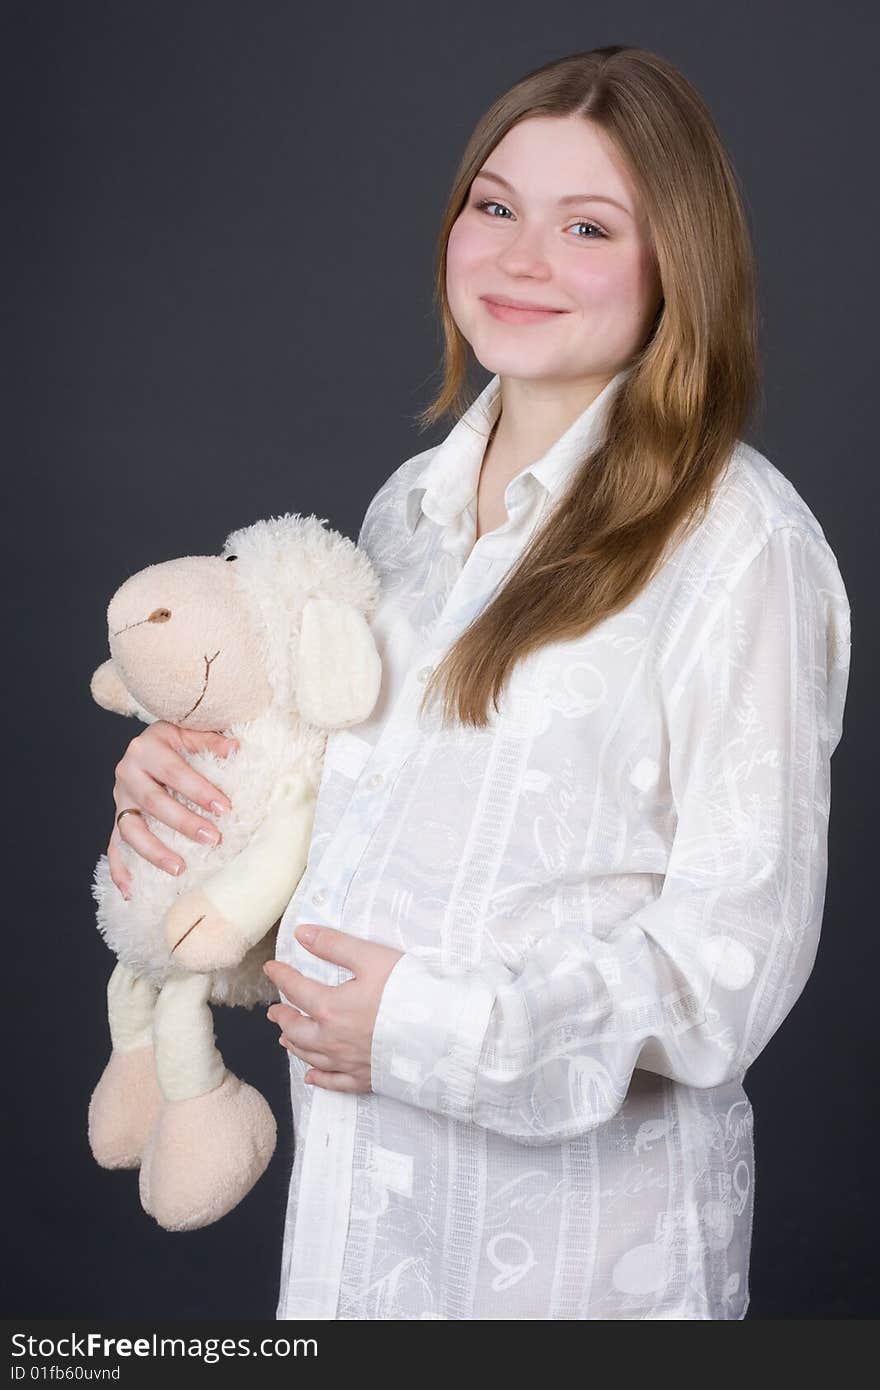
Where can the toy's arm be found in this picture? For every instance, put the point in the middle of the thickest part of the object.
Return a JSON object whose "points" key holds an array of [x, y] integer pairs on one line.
{"points": [[254, 888], [212, 927]]}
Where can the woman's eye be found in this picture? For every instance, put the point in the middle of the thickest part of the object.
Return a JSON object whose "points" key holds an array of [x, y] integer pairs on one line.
{"points": [[485, 203], [488, 203], [594, 227]]}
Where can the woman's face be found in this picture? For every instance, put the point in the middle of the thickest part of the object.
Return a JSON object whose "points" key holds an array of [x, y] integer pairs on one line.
{"points": [[546, 237]]}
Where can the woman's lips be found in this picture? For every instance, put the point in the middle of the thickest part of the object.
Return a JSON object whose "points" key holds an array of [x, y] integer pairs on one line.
{"points": [[507, 314]]}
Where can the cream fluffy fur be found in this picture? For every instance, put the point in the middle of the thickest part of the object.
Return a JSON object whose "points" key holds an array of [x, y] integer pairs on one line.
{"points": [[269, 745], [269, 642]]}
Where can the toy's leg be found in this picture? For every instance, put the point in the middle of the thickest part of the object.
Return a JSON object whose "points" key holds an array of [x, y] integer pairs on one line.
{"points": [[214, 1134], [126, 1100], [187, 1061]]}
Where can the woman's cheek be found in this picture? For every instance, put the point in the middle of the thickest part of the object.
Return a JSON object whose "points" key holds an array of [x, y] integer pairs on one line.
{"points": [[461, 263], [460, 258], [615, 291]]}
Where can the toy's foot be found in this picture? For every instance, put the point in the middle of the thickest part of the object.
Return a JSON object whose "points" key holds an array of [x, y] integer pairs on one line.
{"points": [[123, 1108], [205, 1154]]}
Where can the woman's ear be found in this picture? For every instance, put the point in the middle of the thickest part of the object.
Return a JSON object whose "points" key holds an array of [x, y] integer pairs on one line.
{"points": [[338, 670]]}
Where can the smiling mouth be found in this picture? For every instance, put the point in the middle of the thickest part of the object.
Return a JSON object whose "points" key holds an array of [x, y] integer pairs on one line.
{"points": [[528, 308], [208, 661]]}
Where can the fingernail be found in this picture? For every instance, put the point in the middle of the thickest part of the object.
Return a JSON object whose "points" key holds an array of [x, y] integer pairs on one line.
{"points": [[218, 807], [208, 837], [171, 867]]}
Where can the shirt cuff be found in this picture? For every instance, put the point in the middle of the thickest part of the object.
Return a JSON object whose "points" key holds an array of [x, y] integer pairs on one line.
{"points": [[428, 1036]]}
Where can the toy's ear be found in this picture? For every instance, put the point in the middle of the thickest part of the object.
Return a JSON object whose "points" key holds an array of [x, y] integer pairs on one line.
{"points": [[338, 669], [109, 691]]}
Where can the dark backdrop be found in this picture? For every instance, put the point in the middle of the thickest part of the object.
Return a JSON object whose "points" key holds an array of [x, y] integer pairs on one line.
{"points": [[223, 220]]}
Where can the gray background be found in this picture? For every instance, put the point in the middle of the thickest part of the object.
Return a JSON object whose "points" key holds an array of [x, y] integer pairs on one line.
{"points": [[223, 220]]}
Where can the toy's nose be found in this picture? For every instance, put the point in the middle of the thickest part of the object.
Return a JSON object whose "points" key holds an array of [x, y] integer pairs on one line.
{"points": [[137, 602], [174, 590], [158, 615]]}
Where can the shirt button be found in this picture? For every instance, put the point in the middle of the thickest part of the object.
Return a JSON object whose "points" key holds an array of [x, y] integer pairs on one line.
{"points": [[375, 781], [425, 673], [318, 896]]}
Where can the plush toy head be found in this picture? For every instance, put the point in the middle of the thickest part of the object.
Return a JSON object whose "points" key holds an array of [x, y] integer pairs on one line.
{"points": [[278, 618]]}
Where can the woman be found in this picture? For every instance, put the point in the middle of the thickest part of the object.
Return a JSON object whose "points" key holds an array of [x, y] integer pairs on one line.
{"points": [[568, 878]]}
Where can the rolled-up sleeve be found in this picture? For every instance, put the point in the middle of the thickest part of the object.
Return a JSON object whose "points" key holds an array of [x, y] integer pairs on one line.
{"points": [[693, 985]]}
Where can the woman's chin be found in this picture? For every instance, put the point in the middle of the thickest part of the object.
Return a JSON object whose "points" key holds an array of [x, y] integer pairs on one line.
{"points": [[505, 359]]}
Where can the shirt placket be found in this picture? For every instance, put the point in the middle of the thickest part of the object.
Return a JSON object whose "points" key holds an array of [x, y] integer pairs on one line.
{"points": [[321, 1224], [328, 1160]]}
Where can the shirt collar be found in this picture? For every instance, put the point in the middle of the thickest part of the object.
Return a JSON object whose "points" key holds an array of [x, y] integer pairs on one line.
{"points": [[447, 482]]}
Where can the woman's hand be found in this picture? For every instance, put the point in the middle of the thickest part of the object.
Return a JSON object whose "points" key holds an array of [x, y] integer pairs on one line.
{"points": [[153, 758], [336, 1039]]}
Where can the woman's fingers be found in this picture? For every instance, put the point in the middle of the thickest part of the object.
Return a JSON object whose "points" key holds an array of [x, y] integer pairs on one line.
{"points": [[153, 758], [314, 1059], [118, 872], [182, 776], [135, 832], [162, 758], [154, 798]]}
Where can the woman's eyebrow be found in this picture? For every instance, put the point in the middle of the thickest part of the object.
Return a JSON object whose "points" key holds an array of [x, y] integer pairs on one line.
{"points": [[569, 198]]}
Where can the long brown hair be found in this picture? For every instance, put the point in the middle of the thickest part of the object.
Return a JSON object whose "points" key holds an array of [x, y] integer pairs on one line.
{"points": [[674, 420]]}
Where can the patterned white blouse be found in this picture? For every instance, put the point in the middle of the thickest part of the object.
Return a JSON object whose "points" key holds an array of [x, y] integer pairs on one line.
{"points": [[608, 901]]}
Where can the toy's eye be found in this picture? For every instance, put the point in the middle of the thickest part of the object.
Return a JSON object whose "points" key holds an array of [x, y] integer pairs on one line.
{"points": [[232, 557]]}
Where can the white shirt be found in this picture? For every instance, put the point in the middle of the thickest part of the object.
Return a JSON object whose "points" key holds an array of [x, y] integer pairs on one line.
{"points": [[609, 900]]}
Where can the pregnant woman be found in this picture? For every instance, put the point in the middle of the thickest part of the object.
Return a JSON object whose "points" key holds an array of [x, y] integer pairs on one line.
{"points": [[567, 881]]}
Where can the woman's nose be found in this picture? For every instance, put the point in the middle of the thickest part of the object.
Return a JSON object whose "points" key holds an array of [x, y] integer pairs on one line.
{"points": [[525, 253]]}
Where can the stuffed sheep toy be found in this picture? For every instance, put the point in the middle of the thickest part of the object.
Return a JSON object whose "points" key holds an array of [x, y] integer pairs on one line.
{"points": [[268, 643]]}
